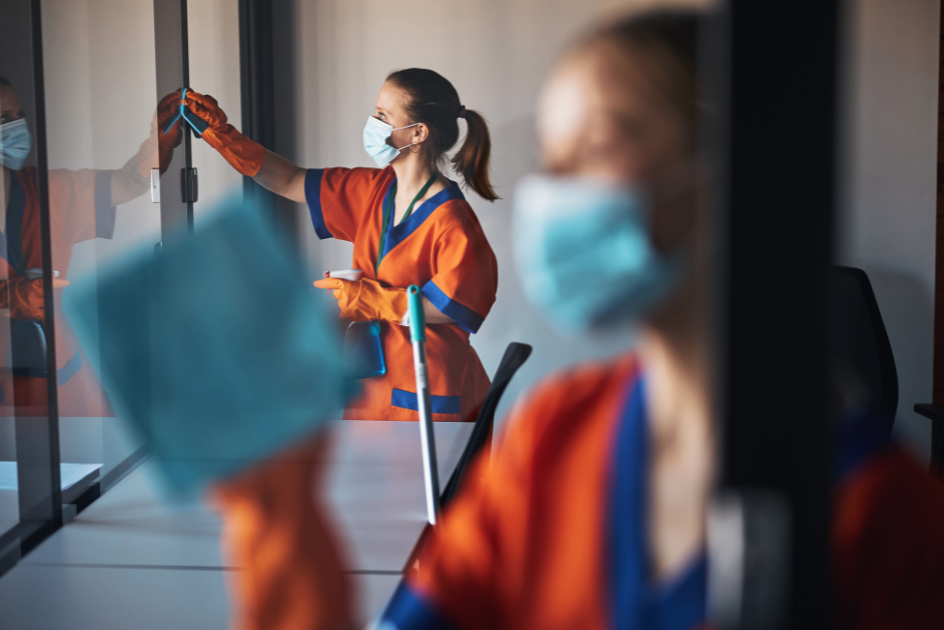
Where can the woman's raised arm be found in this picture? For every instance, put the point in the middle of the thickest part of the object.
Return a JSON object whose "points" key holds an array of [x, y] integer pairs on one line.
{"points": [[282, 177], [250, 158]]}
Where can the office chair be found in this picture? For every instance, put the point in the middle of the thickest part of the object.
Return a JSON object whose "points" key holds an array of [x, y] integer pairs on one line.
{"points": [[515, 356], [936, 414], [28, 348], [859, 345]]}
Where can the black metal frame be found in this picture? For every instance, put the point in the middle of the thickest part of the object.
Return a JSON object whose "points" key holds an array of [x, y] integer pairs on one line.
{"points": [[257, 87], [37, 442], [52, 389], [171, 40], [776, 79]]}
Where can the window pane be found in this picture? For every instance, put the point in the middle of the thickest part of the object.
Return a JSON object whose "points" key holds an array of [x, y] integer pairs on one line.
{"points": [[101, 95], [26, 459]]}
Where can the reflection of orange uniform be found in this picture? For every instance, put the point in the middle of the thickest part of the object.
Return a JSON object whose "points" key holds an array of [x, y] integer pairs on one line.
{"points": [[551, 532], [441, 248], [80, 209]]}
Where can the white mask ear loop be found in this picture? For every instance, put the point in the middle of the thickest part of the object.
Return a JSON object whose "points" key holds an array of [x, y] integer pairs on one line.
{"points": [[398, 129]]}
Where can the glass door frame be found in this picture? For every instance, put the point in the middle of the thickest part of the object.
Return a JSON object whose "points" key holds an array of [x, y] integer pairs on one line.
{"points": [[37, 442]]}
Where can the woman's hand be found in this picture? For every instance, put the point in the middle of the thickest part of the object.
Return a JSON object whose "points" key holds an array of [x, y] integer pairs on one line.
{"points": [[367, 300], [243, 154], [269, 169], [134, 178]]}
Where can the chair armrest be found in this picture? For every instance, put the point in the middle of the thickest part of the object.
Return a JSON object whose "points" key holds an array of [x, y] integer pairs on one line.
{"points": [[936, 415], [933, 412]]}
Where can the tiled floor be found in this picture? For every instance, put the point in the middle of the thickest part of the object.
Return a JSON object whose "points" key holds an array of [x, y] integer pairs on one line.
{"points": [[130, 561]]}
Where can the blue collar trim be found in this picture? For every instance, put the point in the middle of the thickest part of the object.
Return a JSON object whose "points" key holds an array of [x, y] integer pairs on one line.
{"points": [[396, 234], [635, 602]]}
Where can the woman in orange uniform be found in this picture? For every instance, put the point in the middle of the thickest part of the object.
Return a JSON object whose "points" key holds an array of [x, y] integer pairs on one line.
{"points": [[409, 225], [82, 207]]}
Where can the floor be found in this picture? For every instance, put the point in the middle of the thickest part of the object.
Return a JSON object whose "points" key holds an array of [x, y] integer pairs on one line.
{"points": [[131, 561]]}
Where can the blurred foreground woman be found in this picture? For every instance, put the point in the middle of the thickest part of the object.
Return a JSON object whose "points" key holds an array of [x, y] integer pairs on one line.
{"points": [[592, 512]]}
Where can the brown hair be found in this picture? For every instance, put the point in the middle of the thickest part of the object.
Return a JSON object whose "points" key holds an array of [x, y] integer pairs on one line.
{"points": [[665, 43], [434, 102]]}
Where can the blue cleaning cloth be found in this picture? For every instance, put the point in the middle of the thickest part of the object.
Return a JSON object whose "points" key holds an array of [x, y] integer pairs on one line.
{"points": [[196, 123], [216, 351]]}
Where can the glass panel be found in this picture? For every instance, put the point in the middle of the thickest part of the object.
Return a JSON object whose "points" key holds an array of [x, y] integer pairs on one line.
{"points": [[214, 70], [101, 95], [172, 75], [26, 447]]}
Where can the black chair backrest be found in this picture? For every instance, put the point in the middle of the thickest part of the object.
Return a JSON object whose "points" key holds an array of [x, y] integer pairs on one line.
{"points": [[28, 348], [859, 342], [515, 356]]}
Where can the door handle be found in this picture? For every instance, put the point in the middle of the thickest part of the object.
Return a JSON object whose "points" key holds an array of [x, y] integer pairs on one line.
{"points": [[189, 185]]}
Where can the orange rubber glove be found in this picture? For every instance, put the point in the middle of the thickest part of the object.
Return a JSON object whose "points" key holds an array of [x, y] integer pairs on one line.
{"points": [[366, 300], [276, 532], [166, 142], [158, 149], [243, 154]]}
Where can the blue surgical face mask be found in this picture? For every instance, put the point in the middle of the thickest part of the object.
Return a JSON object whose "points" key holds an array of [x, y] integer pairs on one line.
{"points": [[584, 254], [15, 144], [376, 134]]}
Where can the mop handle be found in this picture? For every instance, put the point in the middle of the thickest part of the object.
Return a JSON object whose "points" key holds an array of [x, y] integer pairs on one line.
{"points": [[424, 402]]}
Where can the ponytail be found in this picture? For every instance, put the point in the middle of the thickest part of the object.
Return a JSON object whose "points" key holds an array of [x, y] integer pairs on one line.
{"points": [[472, 159], [435, 103]]}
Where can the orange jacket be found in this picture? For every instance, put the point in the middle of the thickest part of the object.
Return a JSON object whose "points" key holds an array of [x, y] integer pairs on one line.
{"points": [[534, 540], [442, 249]]}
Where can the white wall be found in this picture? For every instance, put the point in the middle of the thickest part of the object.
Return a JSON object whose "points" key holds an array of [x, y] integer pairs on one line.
{"points": [[889, 224], [100, 104], [497, 54]]}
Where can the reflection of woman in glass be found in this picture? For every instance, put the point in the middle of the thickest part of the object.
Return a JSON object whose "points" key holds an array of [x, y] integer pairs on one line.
{"points": [[82, 207]]}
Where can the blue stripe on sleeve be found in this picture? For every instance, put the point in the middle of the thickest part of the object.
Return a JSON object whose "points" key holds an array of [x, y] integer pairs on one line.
{"points": [[408, 610], [70, 369], [104, 210], [466, 318], [313, 197], [441, 404]]}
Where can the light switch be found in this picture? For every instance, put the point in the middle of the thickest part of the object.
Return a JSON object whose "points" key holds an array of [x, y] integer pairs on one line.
{"points": [[155, 185]]}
